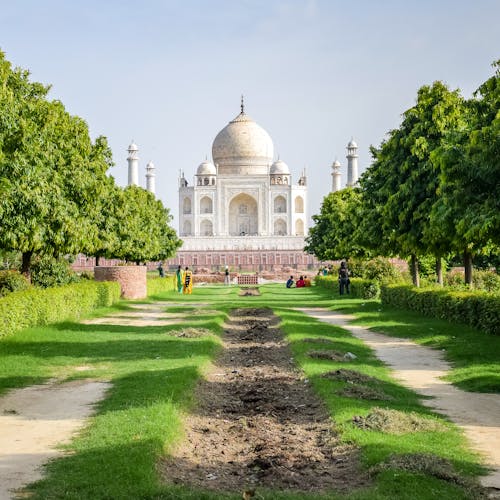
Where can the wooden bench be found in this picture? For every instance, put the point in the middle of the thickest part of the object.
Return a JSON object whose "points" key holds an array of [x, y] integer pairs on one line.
{"points": [[248, 279]]}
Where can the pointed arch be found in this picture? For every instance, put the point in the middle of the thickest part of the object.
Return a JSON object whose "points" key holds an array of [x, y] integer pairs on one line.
{"points": [[299, 227], [186, 205], [280, 227], [206, 205], [299, 205], [280, 204]]}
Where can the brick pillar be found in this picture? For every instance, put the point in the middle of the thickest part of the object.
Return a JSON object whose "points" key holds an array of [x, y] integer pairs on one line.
{"points": [[132, 279]]}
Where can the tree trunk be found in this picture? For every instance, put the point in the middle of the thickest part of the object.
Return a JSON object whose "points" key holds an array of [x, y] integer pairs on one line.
{"points": [[415, 276], [26, 265], [439, 270], [468, 267], [97, 258]]}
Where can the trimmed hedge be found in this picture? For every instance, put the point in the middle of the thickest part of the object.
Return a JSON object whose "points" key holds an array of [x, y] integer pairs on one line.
{"points": [[158, 285], [475, 308], [360, 288], [36, 307]]}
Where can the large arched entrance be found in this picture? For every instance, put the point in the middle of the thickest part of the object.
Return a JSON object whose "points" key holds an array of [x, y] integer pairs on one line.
{"points": [[243, 216]]}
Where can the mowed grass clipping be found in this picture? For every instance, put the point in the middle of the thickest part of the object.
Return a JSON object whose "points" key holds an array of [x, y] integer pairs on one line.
{"points": [[153, 373]]}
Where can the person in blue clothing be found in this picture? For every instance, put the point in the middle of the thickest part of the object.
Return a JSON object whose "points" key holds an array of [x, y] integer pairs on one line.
{"points": [[289, 283]]}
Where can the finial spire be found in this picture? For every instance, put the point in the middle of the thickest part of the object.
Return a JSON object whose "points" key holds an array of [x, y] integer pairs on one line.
{"points": [[242, 105]]}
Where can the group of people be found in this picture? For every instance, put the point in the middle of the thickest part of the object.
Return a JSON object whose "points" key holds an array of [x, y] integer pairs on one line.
{"points": [[301, 282], [344, 281], [184, 280]]}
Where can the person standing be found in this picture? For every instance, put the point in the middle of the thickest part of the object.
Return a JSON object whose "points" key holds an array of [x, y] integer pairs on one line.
{"points": [[187, 282], [178, 279], [226, 276], [344, 281], [161, 272]]}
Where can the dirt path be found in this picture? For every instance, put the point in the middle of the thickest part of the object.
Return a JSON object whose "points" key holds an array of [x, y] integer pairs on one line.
{"points": [[35, 419], [421, 369], [258, 424]]}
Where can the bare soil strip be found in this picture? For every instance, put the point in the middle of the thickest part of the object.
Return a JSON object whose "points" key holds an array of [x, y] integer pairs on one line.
{"points": [[258, 424], [34, 420], [422, 368]]}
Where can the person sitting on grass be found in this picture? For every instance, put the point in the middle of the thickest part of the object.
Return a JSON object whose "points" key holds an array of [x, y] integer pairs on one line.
{"points": [[289, 282], [300, 282], [307, 281]]}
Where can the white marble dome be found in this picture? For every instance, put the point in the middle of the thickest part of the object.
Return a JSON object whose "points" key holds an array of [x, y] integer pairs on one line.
{"points": [[279, 167], [352, 144], [206, 168], [242, 147]]}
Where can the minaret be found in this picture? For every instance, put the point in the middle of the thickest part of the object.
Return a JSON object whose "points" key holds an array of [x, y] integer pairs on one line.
{"points": [[133, 164], [352, 163], [150, 177], [335, 176]]}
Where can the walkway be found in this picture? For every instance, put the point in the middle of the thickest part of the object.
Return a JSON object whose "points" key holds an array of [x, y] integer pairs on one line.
{"points": [[422, 368]]}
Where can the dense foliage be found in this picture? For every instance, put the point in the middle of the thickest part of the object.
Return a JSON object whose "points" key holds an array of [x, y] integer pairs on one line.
{"points": [[359, 288], [475, 308], [56, 197], [35, 307], [12, 281], [433, 188]]}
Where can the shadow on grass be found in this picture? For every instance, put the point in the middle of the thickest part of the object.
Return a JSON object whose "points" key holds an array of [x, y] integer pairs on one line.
{"points": [[7, 383], [115, 349]]}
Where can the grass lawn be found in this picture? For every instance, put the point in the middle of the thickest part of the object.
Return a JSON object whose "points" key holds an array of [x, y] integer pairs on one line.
{"points": [[153, 374], [475, 355]]}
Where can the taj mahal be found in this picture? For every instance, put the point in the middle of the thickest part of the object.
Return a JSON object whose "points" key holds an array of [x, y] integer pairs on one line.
{"points": [[243, 209]]}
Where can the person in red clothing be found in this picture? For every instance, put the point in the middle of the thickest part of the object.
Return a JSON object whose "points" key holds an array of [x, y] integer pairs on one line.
{"points": [[300, 282]]}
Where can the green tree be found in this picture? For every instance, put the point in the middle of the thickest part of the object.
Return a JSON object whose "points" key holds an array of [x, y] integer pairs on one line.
{"points": [[50, 171], [332, 236], [468, 209], [403, 181], [143, 227]]}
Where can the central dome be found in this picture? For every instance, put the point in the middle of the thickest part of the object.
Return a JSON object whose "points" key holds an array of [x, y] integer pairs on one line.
{"points": [[242, 147]]}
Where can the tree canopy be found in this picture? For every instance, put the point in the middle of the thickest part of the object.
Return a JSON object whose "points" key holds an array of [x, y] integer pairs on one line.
{"points": [[433, 186], [56, 196]]}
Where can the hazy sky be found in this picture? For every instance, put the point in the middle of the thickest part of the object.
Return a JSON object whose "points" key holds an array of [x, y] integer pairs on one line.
{"points": [[169, 74]]}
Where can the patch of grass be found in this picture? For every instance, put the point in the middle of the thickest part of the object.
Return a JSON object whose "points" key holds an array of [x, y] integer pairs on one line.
{"points": [[474, 355], [329, 378]]}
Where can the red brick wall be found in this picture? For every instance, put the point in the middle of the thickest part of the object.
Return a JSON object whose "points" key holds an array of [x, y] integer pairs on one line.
{"points": [[132, 279]]}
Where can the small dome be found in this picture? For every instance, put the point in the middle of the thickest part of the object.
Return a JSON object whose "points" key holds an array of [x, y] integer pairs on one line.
{"points": [[206, 168], [336, 164], [352, 144], [150, 165], [133, 146], [279, 167]]}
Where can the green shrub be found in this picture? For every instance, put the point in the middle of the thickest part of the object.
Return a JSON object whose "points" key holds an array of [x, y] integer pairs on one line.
{"points": [[158, 285], [377, 269], [48, 271], [473, 307], [364, 289], [359, 288], [12, 281], [36, 307]]}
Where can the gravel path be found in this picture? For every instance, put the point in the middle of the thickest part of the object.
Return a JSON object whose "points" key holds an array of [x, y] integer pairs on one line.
{"points": [[422, 368]]}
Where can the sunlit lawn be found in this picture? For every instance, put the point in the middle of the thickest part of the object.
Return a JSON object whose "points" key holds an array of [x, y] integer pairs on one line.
{"points": [[153, 374]]}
